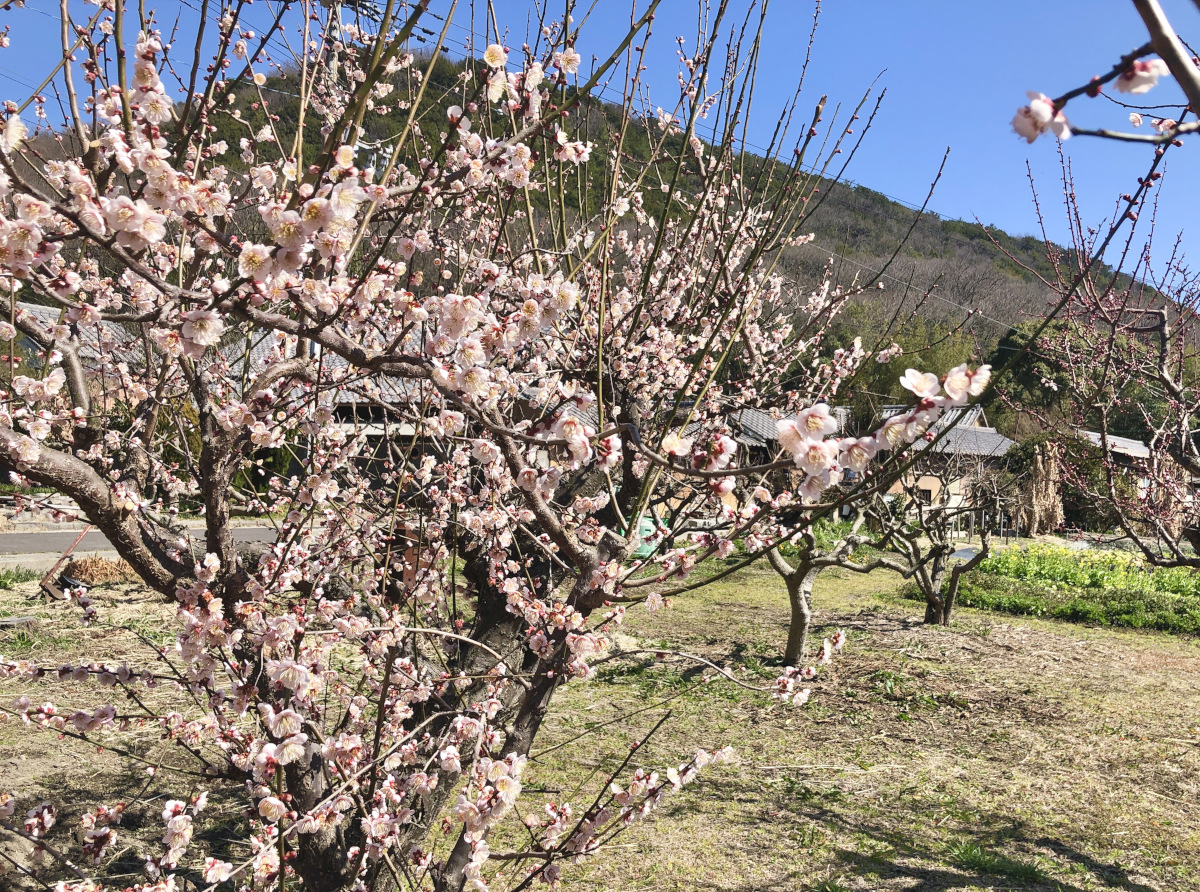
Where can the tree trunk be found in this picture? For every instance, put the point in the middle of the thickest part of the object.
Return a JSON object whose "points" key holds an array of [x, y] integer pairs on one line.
{"points": [[321, 861], [948, 600], [937, 611], [799, 588], [522, 731], [937, 604], [321, 858]]}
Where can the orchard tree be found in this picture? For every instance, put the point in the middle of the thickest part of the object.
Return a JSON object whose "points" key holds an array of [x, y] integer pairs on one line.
{"points": [[809, 553], [1121, 337], [920, 536], [547, 305], [1127, 353]]}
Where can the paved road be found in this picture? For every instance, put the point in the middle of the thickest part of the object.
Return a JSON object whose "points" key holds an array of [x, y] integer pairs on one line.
{"points": [[57, 541]]}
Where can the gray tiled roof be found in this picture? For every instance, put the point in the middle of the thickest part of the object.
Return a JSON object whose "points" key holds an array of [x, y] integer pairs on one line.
{"points": [[756, 427], [1119, 445], [109, 342], [985, 442], [965, 416], [969, 435]]}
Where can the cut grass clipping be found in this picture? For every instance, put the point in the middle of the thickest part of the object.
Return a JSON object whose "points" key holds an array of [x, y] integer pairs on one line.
{"points": [[94, 570]]}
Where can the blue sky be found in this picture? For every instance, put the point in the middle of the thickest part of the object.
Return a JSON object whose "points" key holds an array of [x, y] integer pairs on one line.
{"points": [[955, 72]]}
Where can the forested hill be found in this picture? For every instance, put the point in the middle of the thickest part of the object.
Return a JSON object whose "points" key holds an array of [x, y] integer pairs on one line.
{"points": [[960, 265], [944, 268], [859, 227]]}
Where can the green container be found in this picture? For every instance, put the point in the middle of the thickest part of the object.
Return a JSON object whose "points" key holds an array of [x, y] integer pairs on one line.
{"points": [[647, 530]]}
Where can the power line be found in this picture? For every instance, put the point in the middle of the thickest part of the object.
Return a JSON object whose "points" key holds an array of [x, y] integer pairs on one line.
{"points": [[765, 152], [931, 292], [16, 78]]}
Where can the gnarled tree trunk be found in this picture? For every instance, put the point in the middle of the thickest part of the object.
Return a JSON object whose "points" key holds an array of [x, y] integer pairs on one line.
{"points": [[799, 588], [799, 581]]}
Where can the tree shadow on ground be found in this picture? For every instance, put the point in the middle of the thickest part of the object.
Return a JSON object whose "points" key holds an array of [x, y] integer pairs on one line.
{"points": [[975, 861], [896, 852], [140, 829]]}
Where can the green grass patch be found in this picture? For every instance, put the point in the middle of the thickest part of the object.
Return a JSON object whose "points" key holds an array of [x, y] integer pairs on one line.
{"points": [[1090, 569], [1105, 588], [20, 643], [969, 855], [1124, 607], [10, 577]]}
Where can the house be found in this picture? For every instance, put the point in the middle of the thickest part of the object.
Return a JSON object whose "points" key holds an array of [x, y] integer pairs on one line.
{"points": [[965, 449], [106, 348], [1127, 454], [1126, 449], [754, 430]]}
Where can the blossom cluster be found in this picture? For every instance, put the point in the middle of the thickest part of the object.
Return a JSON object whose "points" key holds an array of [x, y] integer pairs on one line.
{"points": [[788, 685], [825, 461], [1045, 115]]}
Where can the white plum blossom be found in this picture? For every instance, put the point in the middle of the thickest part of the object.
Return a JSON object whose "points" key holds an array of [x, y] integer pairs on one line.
{"points": [[156, 106], [254, 263], [979, 380], [790, 435], [495, 56], [272, 809], [816, 422], [25, 449], [958, 385], [1040, 116], [922, 384], [1142, 76], [568, 60], [37, 389], [674, 444], [857, 452], [816, 456], [217, 871], [202, 328]]}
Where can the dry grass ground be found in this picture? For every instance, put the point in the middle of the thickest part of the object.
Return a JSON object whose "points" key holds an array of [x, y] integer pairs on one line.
{"points": [[1000, 753], [994, 754]]}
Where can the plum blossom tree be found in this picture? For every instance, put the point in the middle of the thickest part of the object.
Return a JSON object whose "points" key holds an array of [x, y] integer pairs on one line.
{"points": [[548, 331], [809, 553], [807, 549], [918, 533], [1123, 345], [1124, 355]]}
